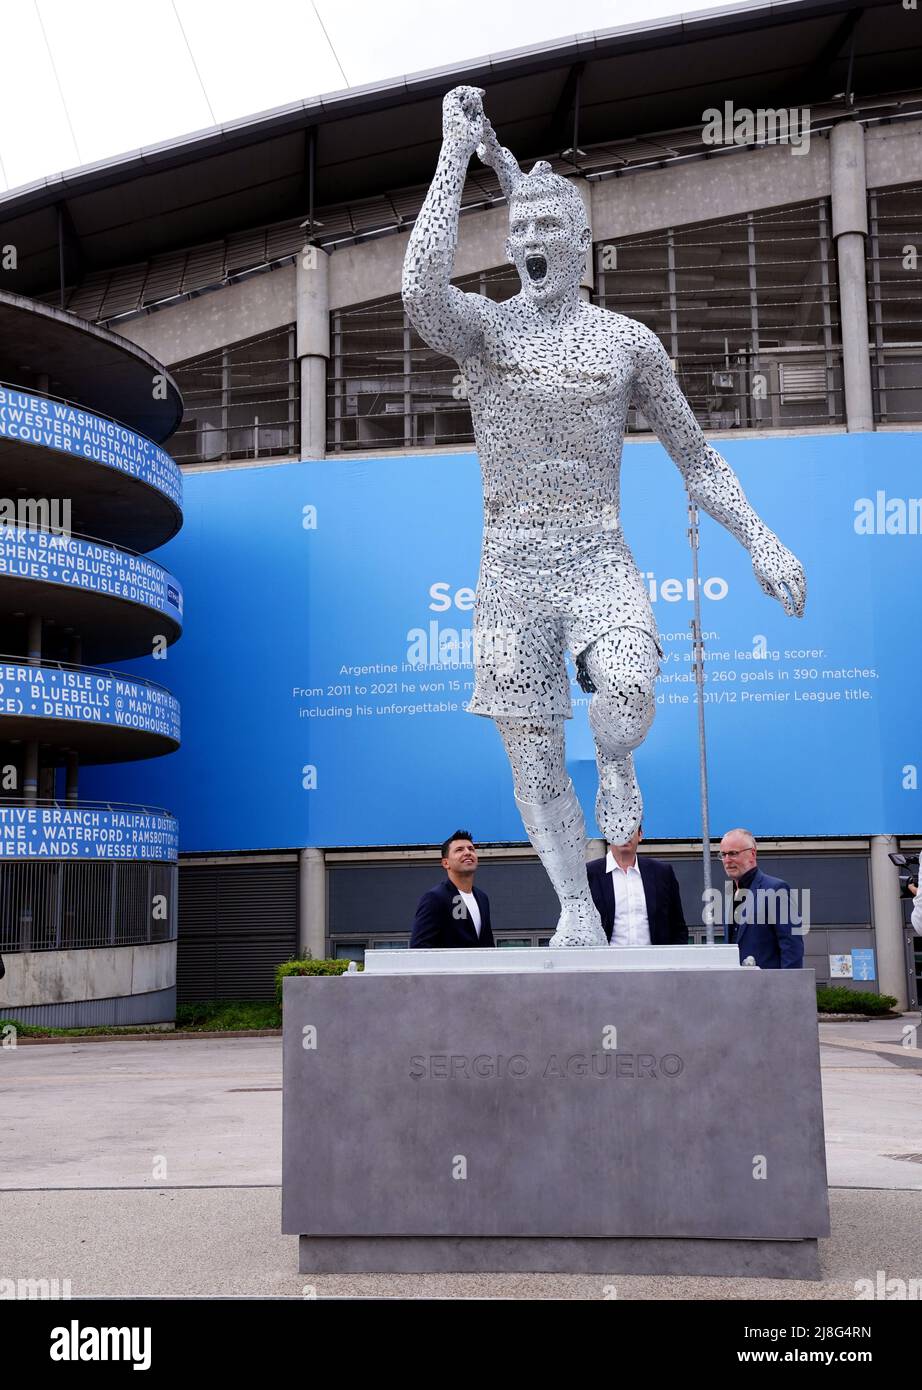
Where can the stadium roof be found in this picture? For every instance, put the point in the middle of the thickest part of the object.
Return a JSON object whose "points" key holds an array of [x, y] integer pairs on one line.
{"points": [[361, 156]]}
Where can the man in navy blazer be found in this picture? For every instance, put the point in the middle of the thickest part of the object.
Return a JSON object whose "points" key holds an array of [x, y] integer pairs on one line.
{"points": [[644, 907], [763, 924], [456, 913]]}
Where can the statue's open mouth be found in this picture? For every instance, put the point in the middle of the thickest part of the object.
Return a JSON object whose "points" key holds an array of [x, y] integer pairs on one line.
{"points": [[536, 267]]}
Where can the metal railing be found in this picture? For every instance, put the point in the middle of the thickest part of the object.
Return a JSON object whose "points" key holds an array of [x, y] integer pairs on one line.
{"points": [[386, 388], [894, 270], [748, 310], [241, 401], [17, 660], [76, 904], [126, 807]]}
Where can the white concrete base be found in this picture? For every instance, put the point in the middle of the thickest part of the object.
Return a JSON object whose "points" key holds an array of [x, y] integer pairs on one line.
{"points": [[520, 960]]}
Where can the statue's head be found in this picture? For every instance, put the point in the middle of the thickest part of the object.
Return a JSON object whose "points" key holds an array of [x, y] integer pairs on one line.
{"points": [[549, 234]]}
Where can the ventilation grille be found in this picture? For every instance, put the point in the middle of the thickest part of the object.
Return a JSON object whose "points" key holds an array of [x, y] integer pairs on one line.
{"points": [[802, 381], [236, 924]]}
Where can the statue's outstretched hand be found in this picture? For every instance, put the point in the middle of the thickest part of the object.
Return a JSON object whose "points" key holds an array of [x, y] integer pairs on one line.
{"points": [[462, 117], [780, 574]]}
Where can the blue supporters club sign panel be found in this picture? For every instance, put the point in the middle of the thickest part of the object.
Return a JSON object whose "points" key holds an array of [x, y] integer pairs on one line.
{"points": [[326, 659], [76, 563], [88, 697], [87, 832], [29, 418]]}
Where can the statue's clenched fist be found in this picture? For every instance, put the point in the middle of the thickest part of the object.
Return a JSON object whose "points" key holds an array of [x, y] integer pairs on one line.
{"points": [[463, 118]]}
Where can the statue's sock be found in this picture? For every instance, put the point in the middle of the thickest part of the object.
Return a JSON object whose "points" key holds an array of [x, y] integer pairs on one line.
{"points": [[557, 831], [619, 804]]}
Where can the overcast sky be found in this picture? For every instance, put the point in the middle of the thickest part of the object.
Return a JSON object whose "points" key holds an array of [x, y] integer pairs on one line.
{"points": [[87, 79]]}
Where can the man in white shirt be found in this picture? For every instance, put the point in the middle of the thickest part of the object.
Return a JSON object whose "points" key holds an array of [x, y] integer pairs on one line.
{"points": [[638, 898], [456, 913]]}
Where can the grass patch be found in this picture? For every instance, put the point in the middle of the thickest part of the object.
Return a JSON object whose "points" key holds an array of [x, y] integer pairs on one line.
{"points": [[213, 1016], [37, 1030], [227, 1015]]}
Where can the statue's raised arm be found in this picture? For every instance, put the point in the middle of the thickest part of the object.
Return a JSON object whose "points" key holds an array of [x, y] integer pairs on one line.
{"points": [[444, 316]]}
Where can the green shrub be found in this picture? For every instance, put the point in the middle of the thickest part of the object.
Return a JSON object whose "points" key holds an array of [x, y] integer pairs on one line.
{"points": [[308, 967], [838, 999]]}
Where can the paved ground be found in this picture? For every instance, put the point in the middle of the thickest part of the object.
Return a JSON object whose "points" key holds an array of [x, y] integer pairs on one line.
{"points": [[154, 1168]]}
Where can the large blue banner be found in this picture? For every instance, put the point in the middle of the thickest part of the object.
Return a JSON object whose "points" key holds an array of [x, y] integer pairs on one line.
{"points": [[326, 657]]}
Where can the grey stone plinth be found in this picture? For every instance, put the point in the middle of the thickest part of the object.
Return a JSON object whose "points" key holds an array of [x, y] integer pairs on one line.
{"points": [[555, 1120], [752, 1259]]}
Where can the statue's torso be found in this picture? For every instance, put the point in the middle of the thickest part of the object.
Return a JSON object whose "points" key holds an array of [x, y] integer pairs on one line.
{"points": [[549, 405]]}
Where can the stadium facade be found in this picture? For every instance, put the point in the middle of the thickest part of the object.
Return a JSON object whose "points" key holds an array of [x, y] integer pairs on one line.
{"points": [[753, 178]]}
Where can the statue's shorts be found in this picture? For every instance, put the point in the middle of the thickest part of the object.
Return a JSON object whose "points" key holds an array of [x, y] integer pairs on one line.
{"points": [[542, 593]]}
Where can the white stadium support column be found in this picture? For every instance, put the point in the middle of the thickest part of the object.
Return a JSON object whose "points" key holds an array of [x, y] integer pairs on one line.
{"points": [[850, 228], [313, 330], [312, 904], [887, 913]]}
